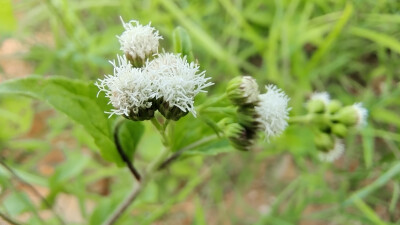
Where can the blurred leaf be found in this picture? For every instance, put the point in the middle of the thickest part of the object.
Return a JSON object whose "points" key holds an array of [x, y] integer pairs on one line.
{"points": [[129, 135], [182, 43], [368, 146], [15, 116], [381, 39], [16, 203], [212, 148], [77, 99], [368, 212], [200, 218], [386, 116], [330, 39], [7, 21], [105, 207], [75, 165]]}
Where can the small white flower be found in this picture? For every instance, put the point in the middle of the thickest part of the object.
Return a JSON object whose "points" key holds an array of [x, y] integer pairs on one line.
{"points": [[250, 89], [323, 96], [177, 81], [334, 153], [138, 40], [362, 114], [129, 89], [273, 111]]}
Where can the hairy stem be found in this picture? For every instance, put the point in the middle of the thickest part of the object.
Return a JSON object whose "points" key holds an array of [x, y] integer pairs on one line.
{"points": [[147, 176], [124, 205], [121, 152]]}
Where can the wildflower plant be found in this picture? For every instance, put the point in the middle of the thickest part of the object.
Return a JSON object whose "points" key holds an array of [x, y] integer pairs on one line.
{"points": [[152, 85]]}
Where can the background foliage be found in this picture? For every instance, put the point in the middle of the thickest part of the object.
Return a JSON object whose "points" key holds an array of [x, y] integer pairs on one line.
{"points": [[347, 48]]}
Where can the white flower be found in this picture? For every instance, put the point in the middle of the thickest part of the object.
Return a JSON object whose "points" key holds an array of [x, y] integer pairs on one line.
{"points": [[334, 153], [139, 41], [362, 114], [129, 89], [250, 89], [323, 96], [177, 81], [273, 111]]}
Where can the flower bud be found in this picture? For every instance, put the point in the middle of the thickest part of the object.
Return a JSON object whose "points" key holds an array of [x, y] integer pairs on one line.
{"points": [[354, 115], [247, 117], [171, 113], [339, 130], [316, 106], [323, 141], [243, 90], [238, 136], [322, 121], [334, 106], [333, 153]]}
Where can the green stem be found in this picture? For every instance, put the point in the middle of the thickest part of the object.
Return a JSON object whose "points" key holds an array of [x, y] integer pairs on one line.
{"points": [[178, 153], [8, 219], [150, 170], [304, 119], [161, 129], [211, 102]]}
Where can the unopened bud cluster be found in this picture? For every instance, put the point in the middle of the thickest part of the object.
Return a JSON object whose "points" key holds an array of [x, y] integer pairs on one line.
{"points": [[145, 81], [333, 121], [255, 112]]}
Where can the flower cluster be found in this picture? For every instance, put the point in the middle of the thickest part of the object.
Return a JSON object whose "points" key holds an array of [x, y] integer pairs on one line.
{"points": [[166, 82], [266, 112], [332, 121]]}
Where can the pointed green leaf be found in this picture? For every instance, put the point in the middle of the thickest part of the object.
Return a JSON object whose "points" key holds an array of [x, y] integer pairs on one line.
{"points": [[129, 135], [76, 99]]}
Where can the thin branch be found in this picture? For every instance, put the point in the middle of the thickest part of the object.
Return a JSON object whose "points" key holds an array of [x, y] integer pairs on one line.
{"points": [[124, 205], [124, 157], [177, 154], [8, 219], [32, 189]]}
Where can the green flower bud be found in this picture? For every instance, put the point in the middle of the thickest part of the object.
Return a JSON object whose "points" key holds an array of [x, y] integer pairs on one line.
{"points": [[347, 115], [339, 130], [334, 106], [143, 113], [322, 121], [238, 136], [316, 106], [247, 117], [323, 141], [171, 113], [243, 90]]}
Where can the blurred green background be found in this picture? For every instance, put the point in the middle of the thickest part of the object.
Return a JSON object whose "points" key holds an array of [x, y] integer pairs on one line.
{"points": [[350, 49]]}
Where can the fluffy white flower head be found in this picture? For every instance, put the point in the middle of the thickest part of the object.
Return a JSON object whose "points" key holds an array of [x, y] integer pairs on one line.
{"points": [[362, 114], [138, 40], [323, 96], [334, 153], [178, 81], [128, 88], [250, 89], [273, 111]]}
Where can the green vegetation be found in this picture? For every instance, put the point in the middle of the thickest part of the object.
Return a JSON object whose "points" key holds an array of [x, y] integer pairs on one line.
{"points": [[350, 49]]}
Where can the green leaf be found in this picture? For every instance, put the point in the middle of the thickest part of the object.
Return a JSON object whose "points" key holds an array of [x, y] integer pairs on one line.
{"points": [[379, 38], [16, 203], [7, 21], [212, 148], [76, 99], [15, 116], [182, 43], [129, 135]]}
